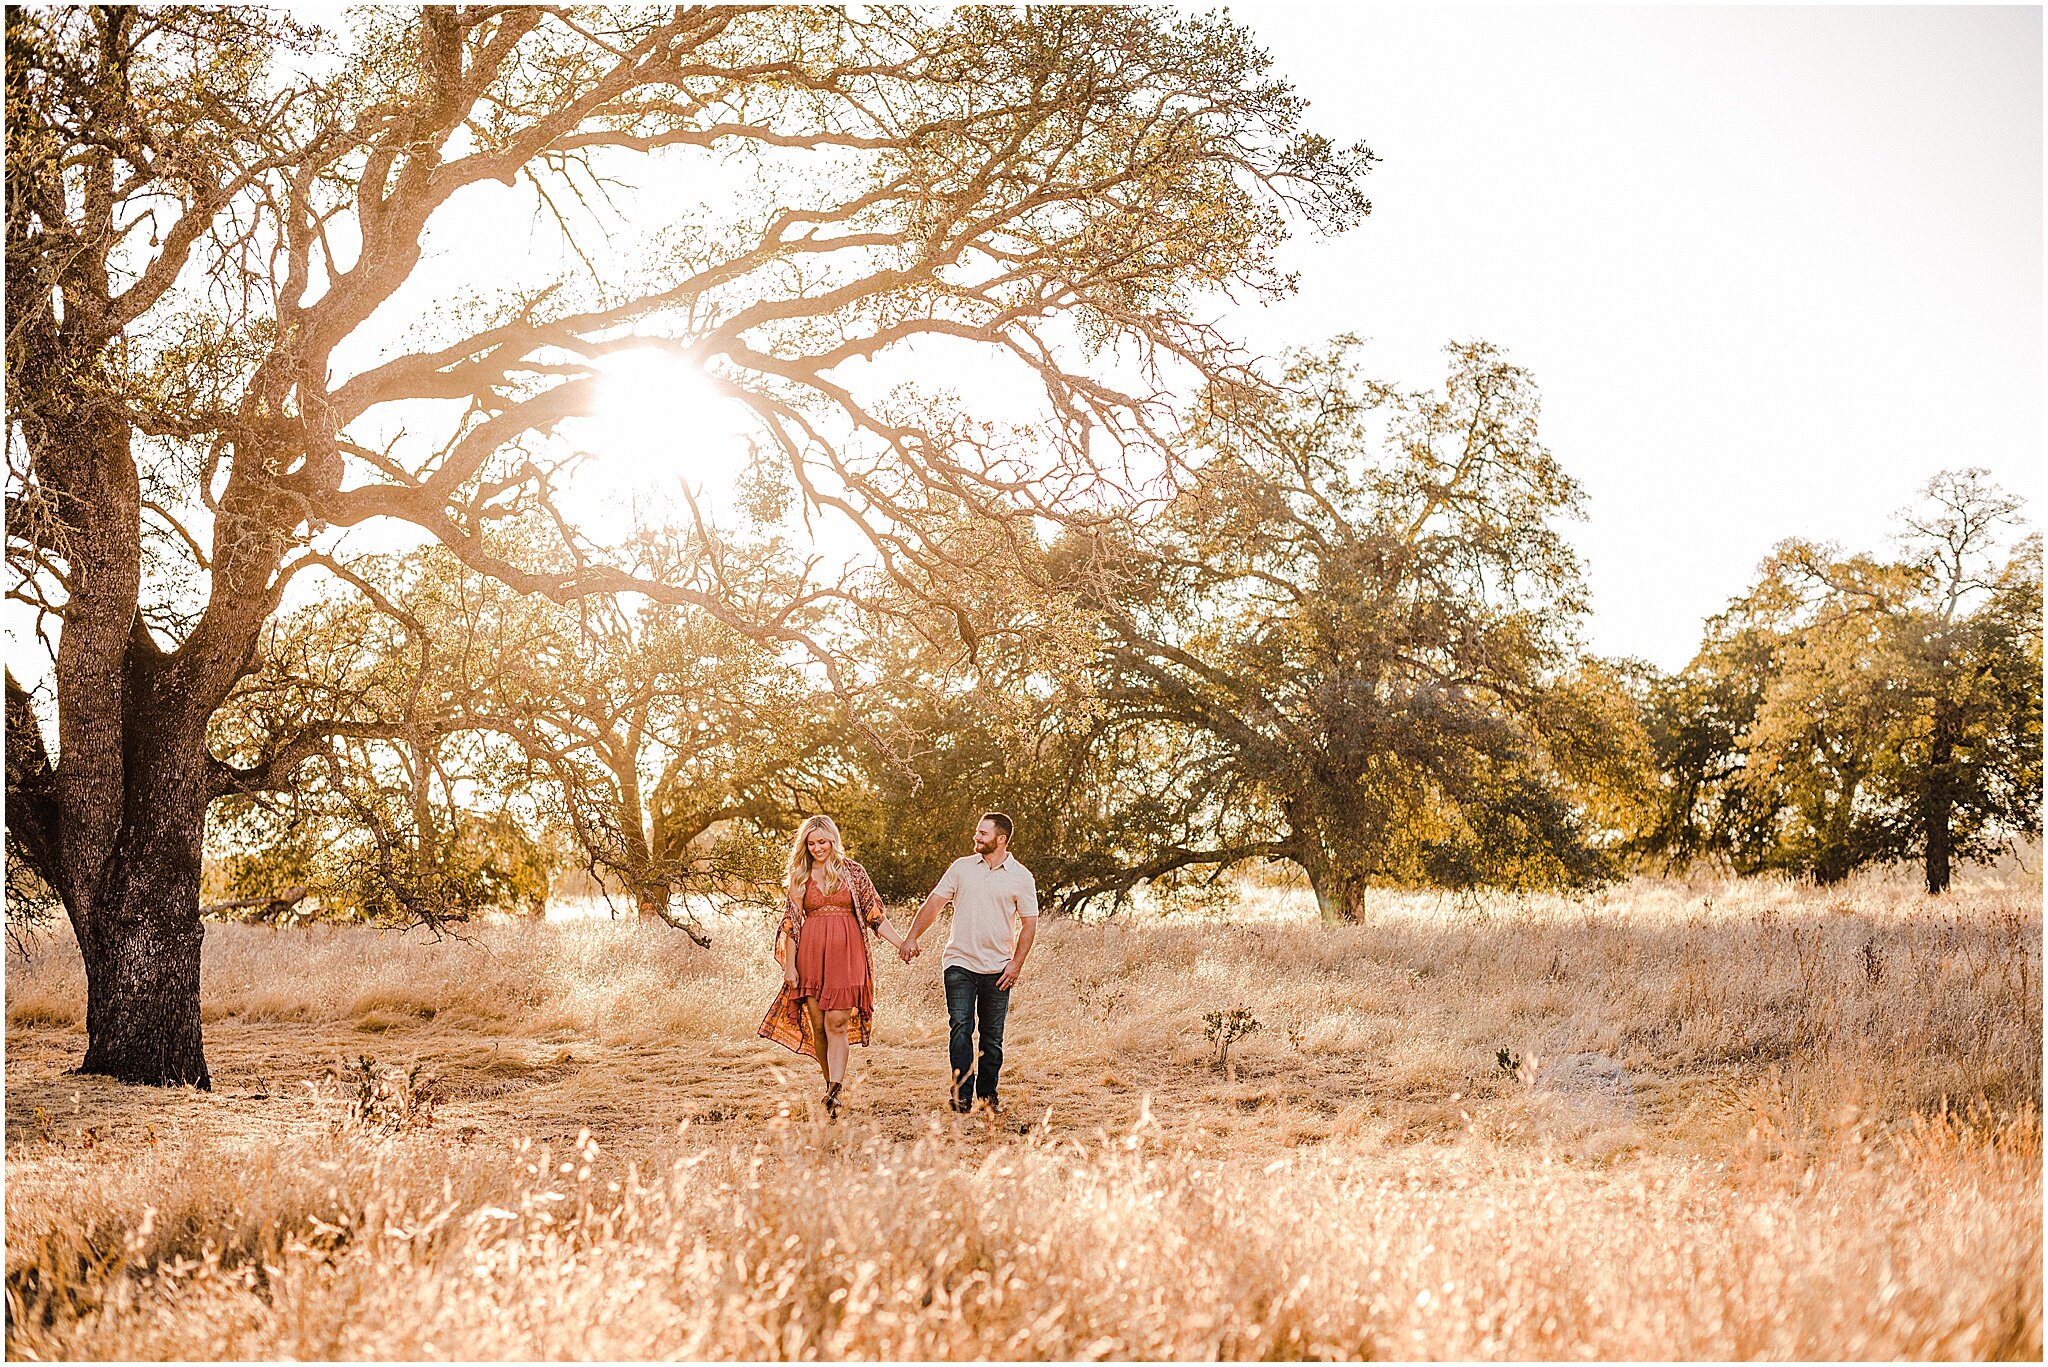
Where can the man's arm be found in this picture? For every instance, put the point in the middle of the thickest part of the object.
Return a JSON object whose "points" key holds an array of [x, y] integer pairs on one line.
{"points": [[785, 943], [928, 913], [1024, 939], [1027, 909]]}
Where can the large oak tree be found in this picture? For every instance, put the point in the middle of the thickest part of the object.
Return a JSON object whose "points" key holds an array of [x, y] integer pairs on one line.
{"points": [[1350, 644], [213, 217]]}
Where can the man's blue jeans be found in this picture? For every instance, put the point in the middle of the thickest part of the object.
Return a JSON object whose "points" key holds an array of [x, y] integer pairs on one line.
{"points": [[968, 995]]}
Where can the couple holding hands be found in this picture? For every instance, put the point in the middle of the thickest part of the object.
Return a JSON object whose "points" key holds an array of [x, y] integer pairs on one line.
{"points": [[827, 1002]]}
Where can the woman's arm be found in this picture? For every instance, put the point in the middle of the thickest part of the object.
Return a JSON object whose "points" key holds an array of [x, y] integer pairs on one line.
{"points": [[872, 909], [785, 942]]}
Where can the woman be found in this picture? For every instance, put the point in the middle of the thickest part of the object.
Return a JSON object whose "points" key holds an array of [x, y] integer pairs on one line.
{"points": [[828, 984]]}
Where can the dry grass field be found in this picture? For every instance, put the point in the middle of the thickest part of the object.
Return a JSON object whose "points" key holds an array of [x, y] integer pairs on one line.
{"points": [[1748, 1121]]}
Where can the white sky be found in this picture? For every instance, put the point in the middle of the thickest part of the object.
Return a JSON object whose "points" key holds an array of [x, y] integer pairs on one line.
{"points": [[1771, 268]]}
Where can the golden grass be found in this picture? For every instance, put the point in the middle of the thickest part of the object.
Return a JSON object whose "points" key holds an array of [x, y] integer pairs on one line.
{"points": [[1749, 1120]]}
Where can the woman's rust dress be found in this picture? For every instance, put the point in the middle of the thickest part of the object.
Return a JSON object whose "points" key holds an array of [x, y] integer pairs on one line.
{"points": [[832, 963], [832, 953]]}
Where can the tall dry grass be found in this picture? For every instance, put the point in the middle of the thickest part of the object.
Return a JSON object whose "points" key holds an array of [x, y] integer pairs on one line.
{"points": [[1748, 1120]]}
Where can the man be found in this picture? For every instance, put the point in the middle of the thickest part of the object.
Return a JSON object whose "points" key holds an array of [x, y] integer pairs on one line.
{"points": [[995, 917]]}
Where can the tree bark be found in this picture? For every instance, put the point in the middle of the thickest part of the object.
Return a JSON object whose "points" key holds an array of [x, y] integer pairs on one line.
{"points": [[140, 933], [1938, 803], [142, 984], [1836, 859], [1339, 885], [127, 797], [1340, 897]]}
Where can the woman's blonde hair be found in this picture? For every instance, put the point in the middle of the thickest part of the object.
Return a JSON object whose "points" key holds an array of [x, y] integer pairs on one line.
{"points": [[800, 856]]}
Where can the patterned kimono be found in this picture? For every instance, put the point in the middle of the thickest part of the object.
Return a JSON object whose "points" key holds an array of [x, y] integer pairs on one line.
{"points": [[785, 1022]]}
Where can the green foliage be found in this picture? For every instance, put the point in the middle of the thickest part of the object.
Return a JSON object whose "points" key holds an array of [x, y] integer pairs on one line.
{"points": [[977, 682], [360, 863], [393, 808], [1850, 710], [1352, 637], [31, 902], [451, 741]]}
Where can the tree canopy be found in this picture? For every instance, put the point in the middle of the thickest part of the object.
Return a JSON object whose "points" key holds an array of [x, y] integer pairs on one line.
{"points": [[1350, 642], [212, 216], [1852, 709]]}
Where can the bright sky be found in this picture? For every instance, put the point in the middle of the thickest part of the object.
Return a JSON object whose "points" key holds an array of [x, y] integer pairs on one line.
{"points": [[1771, 268]]}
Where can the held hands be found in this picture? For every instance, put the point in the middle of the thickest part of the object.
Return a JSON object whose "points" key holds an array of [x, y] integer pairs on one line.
{"points": [[908, 948]]}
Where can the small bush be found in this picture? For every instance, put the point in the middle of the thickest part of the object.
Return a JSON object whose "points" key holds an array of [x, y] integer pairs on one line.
{"points": [[1227, 1027], [388, 1100]]}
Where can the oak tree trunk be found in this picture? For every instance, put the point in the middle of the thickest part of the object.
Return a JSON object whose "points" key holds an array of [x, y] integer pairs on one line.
{"points": [[142, 981], [1339, 885], [116, 818], [1334, 870], [1835, 859], [138, 927], [1938, 803], [1340, 897]]}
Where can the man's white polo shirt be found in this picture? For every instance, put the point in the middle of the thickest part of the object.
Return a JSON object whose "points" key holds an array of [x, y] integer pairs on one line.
{"points": [[987, 903]]}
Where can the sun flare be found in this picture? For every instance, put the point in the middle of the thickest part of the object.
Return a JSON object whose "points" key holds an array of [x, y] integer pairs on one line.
{"points": [[661, 425]]}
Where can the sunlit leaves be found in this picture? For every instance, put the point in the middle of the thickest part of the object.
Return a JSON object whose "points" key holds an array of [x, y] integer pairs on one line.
{"points": [[1856, 708], [1361, 610]]}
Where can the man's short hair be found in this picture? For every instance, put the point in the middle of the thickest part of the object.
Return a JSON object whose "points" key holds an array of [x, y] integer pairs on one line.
{"points": [[1002, 823]]}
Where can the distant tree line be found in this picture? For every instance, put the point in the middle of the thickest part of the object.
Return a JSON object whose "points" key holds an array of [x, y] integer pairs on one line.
{"points": [[1349, 644], [1851, 709]]}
